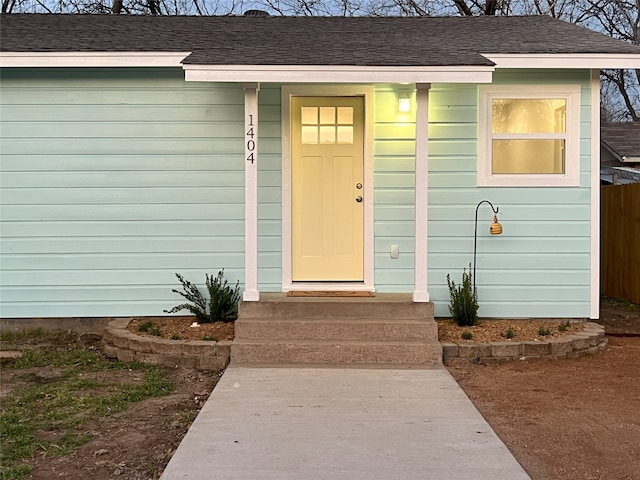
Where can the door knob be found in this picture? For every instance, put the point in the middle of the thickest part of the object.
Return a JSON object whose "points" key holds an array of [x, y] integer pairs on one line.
{"points": [[359, 186], [359, 199]]}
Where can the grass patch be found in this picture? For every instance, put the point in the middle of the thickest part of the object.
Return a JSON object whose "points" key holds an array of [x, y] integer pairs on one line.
{"points": [[45, 415], [35, 335]]}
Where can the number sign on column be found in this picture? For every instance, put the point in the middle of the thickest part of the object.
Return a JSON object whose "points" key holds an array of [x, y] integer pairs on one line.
{"points": [[251, 143]]}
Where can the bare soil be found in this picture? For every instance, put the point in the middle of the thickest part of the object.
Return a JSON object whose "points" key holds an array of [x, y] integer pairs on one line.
{"points": [[183, 328], [575, 419], [506, 330]]}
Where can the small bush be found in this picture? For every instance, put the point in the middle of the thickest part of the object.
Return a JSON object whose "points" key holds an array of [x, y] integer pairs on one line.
{"points": [[222, 305], [466, 335], [145, 327], [508, 334], [155, 332], [175, 337], [464, 300], [543, 332], [563, 327]]}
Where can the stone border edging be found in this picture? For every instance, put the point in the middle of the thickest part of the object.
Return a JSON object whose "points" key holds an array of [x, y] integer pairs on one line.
{"points": [[590, 340], [121, 344]]}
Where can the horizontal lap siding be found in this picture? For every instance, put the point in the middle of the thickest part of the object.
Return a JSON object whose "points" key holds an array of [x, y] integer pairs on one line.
{"points": [[270, 189], [540, 266], [394, 180], [112, 181]]}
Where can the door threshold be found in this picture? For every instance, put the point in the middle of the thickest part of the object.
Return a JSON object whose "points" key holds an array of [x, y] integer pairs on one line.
{"points": [[328, 286]]}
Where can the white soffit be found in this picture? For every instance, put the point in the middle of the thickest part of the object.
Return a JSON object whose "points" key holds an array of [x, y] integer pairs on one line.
{"points": [[92, 59], [336, 74], [565, 60]]}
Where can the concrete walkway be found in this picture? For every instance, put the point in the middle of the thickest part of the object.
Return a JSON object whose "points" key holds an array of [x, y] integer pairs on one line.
{"points": [[340, 423]]}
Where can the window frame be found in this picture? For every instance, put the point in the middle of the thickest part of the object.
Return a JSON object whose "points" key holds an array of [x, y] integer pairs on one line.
{"points": [[571, 136]]}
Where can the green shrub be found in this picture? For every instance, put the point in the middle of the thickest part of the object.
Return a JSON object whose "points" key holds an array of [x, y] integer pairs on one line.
{"points": [[543, 332], [466, 335], [145, 327], [222, 305], [508, 334], [464, 300], [563, 327]]}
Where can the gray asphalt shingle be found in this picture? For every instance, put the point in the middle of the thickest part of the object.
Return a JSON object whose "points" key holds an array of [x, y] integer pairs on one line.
{"points": [[359, 41], [623, 138]]}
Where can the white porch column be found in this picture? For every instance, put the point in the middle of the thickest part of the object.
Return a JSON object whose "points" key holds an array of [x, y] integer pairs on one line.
{"points": [[420, 293], [251, 293]]}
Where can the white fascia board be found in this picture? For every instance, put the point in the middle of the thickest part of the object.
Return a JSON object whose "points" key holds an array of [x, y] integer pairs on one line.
{"points": [[568, 60], [336, 74], [92, 59]]}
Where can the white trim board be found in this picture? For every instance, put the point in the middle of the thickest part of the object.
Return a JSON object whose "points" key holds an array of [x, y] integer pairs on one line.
{"points": [[92, 59], [564, 60], [336, 74], [367, 93], [319, 73], [594, 310]]}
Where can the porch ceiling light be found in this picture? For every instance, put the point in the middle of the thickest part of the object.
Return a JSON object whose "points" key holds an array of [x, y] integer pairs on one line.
{"points": [[404, 104], [494, 229]]}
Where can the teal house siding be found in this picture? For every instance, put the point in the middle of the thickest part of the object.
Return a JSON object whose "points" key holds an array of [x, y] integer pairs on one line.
{"points": [[540, 265], [112, 181], [394, 192], [269, 189]]}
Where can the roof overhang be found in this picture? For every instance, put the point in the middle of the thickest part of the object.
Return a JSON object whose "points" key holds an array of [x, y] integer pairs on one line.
{"points": [[337, 74], [92, 59], [565, 60]]}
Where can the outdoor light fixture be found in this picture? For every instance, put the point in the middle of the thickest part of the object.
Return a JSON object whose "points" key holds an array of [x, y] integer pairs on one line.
{"points": [[494, 229], [404, 104]]}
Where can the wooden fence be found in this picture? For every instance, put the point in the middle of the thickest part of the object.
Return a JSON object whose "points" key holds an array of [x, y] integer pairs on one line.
{"points": [[620, 242]]}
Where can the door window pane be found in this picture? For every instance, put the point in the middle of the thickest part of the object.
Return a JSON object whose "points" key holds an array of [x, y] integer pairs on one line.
{"points": [[345, 115], [309, 134], [328, 134], [345, 134], [327, 115], [309, 115]]}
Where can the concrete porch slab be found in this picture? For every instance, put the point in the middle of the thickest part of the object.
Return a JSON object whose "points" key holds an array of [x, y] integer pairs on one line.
{"points": [[340, 423]]}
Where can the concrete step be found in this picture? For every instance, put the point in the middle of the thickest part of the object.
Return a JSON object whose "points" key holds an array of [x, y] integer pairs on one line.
{"points": [[338, 329], [383, 307], [343, 352]]}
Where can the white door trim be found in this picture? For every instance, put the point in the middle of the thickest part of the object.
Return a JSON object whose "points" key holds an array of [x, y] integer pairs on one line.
{"points": [[365, 91]]}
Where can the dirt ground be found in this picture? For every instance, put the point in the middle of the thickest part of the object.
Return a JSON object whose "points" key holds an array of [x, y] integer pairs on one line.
{"points": [[573, 419], [506, 330], [181, 328]]}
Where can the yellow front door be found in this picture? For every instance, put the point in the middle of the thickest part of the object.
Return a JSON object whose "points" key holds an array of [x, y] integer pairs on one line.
{"points": [[327, 192]]}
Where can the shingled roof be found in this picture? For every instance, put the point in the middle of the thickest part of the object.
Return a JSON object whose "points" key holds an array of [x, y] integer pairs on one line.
{"points": [[357, 41], [622, 139]]}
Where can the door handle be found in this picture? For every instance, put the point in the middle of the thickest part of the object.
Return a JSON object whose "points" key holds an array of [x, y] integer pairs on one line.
{"points": [[359, 199]]}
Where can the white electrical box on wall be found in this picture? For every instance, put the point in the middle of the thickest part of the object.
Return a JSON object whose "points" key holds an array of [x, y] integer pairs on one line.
{"points": [[395, 251]]}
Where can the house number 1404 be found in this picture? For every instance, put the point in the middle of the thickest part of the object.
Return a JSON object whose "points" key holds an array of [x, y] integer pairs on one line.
{"points": [[251, 143]]}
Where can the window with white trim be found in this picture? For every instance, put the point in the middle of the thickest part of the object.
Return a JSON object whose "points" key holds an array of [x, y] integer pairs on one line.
{"points": [[529, 135]]}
